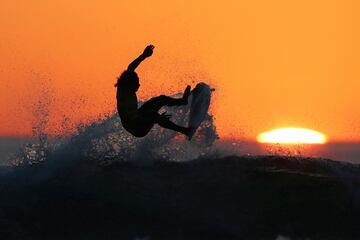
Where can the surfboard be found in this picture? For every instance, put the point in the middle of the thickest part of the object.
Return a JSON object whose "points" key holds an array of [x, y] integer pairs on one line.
{"points": [[199, 106]]}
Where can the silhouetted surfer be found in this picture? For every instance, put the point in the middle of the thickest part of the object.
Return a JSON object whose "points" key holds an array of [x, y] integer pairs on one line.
{"points": [[140, 121]]}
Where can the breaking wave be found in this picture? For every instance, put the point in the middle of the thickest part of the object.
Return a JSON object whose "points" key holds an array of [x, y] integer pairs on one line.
{"points": [[106, 142]]}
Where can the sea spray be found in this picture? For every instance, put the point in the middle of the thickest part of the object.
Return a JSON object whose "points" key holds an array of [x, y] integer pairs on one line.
{"points": [[106, 141]]}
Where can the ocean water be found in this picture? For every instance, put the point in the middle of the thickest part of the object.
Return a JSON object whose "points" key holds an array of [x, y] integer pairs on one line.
{"points": [[339, 151], [105, 141], [64, 197]]}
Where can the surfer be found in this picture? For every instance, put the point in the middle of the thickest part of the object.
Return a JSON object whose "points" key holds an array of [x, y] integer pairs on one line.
{"points": [[139, 121]]}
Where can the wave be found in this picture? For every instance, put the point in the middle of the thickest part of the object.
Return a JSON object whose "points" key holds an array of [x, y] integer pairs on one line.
{"points": [[106, 142]]}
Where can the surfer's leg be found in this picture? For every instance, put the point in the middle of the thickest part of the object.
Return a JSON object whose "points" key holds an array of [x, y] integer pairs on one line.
{"points": [[170, 125], [143, 129], [154, 104]]}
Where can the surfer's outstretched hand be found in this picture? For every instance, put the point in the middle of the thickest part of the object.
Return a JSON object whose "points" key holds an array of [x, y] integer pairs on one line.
{"points": [[148, 51]]}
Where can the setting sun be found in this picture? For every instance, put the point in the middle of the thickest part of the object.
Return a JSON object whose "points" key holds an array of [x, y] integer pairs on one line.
{"points": [[292, 136]]}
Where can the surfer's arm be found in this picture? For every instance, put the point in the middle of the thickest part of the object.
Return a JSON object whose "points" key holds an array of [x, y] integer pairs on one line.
{"points": [[148, 51]]}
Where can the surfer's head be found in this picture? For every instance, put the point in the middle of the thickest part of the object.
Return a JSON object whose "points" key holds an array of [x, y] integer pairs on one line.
{"points": [[128, 80]]}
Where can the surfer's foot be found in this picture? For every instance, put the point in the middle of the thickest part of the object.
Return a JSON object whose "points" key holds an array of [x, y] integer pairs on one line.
{"points": [[186, 94], [190, 131]]}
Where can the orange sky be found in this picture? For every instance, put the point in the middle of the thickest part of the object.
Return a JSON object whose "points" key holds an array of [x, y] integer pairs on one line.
{"points": [[273, 63]]}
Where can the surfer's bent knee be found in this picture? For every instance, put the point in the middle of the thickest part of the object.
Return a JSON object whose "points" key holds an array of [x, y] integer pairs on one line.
{"points": [[142, 131]]}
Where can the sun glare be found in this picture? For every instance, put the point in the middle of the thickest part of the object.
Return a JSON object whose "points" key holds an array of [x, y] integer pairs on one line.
{"points": [[292, 136]]}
